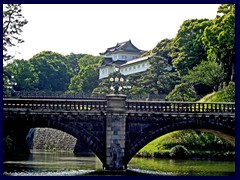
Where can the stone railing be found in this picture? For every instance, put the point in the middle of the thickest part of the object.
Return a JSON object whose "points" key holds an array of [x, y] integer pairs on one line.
{"points": [[168, 106], [55, 95], [56, 104], [130, 105]]}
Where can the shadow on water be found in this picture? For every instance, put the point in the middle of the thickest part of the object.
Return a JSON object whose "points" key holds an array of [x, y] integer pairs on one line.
{"points": [[68, 164]]}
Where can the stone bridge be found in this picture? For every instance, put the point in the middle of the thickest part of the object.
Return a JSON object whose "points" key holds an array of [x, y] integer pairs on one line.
{"points": [[115, 129]]}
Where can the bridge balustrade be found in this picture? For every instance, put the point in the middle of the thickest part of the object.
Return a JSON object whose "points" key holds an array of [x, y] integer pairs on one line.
{"points": [[55, 104], [116, 135], [100, 104], [168, 106]]}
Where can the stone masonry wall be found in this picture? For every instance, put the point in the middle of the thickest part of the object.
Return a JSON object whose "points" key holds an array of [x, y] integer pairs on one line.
{"points": [[52, 139]]}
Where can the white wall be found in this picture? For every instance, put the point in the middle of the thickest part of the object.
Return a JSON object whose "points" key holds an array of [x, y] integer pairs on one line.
{"points": [[135, 68], [127, 69], [105, 71], [124, 56]]}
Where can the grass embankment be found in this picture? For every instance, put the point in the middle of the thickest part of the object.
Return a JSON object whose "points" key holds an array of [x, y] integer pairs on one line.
{"points": [[223, 95], [188, 144], [194, 144]]}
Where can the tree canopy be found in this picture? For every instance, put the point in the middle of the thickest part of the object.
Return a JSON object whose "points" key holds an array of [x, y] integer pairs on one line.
{"points": [[52, 71], [202, 56], [219, 39], [87, 78], [187, 48], [208, 72], [24, 74]]}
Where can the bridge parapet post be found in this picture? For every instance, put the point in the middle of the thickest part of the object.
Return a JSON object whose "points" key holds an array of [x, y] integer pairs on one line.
{"points": [[115, 132]]}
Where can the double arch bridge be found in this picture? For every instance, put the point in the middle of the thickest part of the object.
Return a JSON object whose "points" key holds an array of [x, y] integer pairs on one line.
{"points": [[115, 129]]}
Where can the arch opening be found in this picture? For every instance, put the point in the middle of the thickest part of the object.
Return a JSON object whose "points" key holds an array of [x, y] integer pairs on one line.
{"points": [[50, 139], [198, 143]]}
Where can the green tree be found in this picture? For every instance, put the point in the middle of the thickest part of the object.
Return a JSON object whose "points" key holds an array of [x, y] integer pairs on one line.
{"points": [[52, 71], [182, 92], [103, 87], [138, 85], [72, 62], [89, 60], [24, 74], [187, 48], [209, 73], [163, 49], [13, 22], [85, 81], [229, 92], [159, 77], [89, 73], [87, 78], [219, 39]]}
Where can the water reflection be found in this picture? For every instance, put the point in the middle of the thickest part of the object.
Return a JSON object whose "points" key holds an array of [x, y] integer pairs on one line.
{"points": [[68, 164], [52, 163], [185, 167], [48, 173]]}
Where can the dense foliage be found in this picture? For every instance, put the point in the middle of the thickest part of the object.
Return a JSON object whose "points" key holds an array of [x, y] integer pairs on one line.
{"points": [[181, 92], [187, 48], [203, 53], [219, 39], [51, 71], [209, 73], [87, 77], [202, 57]]}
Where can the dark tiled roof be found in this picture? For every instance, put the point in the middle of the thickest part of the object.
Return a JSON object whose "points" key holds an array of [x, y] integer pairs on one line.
{"points": [[120, 62], [139, 59], [121, 47], [109, 60]]}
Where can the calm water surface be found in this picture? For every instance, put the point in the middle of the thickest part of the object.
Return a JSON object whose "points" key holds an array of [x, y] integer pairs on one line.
{"points": [[67, 164]]}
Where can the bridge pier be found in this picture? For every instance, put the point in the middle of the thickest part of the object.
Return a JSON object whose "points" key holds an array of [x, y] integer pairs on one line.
{"points": [[115, 132]]}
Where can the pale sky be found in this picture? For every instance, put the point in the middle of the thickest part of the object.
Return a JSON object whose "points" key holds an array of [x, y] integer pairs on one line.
{"points": [[92, 28]]}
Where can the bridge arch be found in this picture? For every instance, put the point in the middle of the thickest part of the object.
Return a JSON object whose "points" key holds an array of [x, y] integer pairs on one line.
{"points": [[93, 143], [79, 127], [160, 125], [117, 123]]}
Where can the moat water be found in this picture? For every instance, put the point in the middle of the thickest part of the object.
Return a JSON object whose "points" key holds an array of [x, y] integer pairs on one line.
{"points": [[68, 164]]}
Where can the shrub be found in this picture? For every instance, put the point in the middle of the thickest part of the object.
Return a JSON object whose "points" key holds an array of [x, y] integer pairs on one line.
{"points": [[179, 151], [229, 93], [162, 154]]}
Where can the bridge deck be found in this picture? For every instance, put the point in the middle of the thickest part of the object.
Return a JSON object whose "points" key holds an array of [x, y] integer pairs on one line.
{"points": [[131, 106]]}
